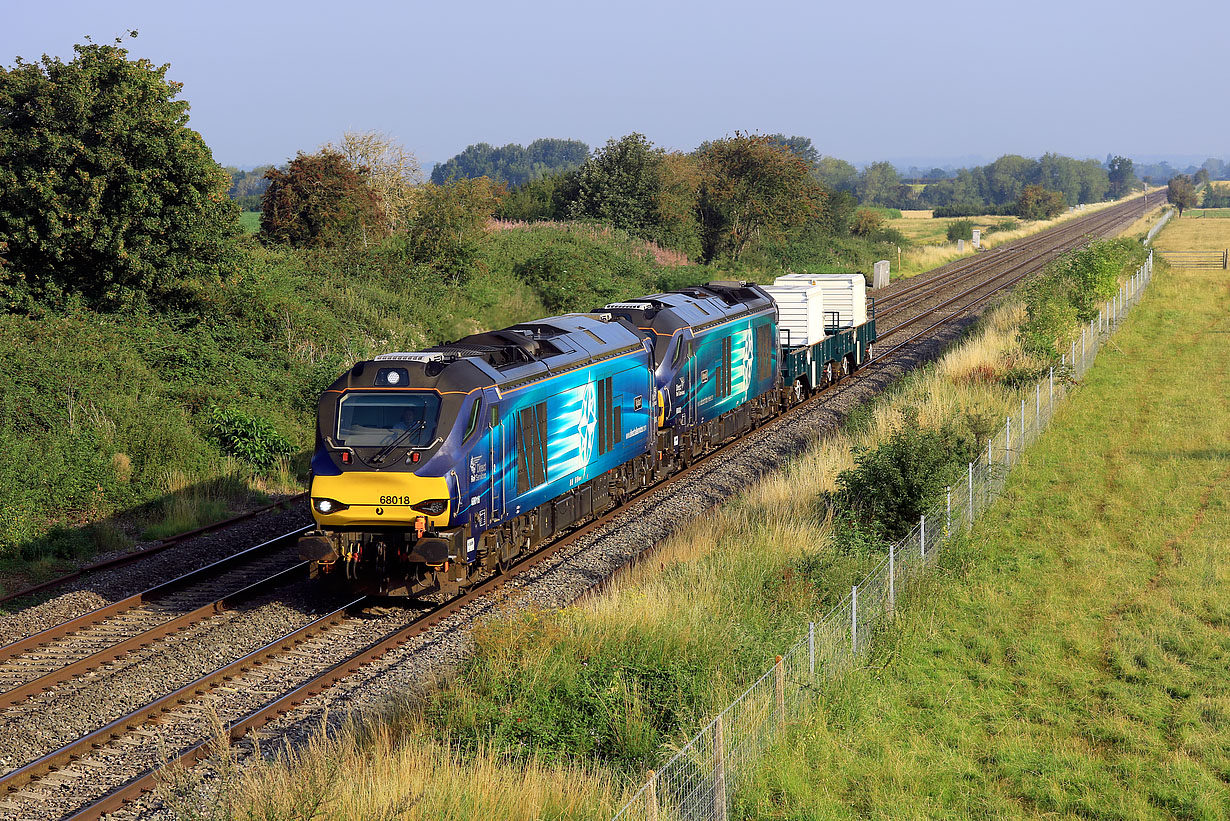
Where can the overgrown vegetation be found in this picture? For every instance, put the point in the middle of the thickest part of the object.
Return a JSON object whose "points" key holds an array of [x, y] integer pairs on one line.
{"points": [[960, 229], [1071, 290]]}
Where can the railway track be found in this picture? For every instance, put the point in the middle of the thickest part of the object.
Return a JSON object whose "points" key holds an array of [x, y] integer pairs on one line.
{"points": [[85, 778]]}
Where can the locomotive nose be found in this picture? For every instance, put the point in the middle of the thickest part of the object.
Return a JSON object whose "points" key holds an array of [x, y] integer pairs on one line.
{"points": [[382, 499]]}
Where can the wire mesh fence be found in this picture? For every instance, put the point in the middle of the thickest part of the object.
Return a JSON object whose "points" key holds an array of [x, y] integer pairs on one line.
{"points": [[698, 782]]}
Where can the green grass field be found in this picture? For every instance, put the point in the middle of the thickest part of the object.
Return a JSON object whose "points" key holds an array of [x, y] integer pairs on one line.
{"points": [[251, 221], [1070, 660]]}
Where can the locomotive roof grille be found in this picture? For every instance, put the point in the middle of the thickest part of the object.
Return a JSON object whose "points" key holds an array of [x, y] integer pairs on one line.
{"points": [[630, 306], [419, 356]]}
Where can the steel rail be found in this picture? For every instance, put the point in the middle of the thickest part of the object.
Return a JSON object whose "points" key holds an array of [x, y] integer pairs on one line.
{"points": [[57, 759], [105, 612], [137, 555], [112, 652]]}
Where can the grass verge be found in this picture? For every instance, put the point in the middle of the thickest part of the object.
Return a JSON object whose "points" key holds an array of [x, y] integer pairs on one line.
{"points": [[1070, 658]]}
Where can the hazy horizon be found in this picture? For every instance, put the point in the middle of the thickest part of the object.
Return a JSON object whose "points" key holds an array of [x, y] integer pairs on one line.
{"points": [[951, 84]]}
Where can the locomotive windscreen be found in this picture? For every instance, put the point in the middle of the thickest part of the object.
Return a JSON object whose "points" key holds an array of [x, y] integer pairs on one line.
{"points": [[375, 419]]}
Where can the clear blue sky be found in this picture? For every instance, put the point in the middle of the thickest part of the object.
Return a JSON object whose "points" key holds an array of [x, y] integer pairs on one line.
{"points": [[905, 80]]}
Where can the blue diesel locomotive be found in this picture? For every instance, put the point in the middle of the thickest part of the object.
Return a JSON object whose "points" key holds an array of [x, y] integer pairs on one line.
{"points": [[432, 468]]}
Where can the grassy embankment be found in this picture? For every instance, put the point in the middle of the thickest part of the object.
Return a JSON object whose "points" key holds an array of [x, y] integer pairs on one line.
{"points": [[554, 708], [109, 423], [1068, 660], [931, 247]]}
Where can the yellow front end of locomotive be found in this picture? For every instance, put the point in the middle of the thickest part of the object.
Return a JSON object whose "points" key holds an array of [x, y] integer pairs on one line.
{"points": [[367, 499]]}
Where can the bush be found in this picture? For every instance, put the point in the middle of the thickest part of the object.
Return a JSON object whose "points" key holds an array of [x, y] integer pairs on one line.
{"points": [[250, 438], [1037, 203], [1010, 224], [971, 209], [866, 222], [1070, 291], [894, 483], [321, 201], [960, 229]]}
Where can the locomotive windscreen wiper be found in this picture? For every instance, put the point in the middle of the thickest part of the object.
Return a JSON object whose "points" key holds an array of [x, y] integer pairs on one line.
{"points": [[384, 451]]}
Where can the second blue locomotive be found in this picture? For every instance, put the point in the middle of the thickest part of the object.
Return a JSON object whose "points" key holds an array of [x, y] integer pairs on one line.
{"points": [[434, 467]]}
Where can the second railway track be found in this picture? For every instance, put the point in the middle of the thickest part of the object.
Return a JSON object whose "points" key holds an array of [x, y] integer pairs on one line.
{"points": [[114, 763]]}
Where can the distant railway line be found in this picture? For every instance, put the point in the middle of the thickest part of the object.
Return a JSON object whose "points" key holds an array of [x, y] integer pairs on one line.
{"points": [[114, 754]]}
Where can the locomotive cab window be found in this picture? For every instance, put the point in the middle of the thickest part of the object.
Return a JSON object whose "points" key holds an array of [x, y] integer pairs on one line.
{"points": [[378, 419], [475, 415]]}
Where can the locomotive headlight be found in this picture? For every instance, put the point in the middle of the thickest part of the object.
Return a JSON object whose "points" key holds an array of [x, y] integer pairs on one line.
{"points": [[432, 507], [393, 377], [328, 506]]}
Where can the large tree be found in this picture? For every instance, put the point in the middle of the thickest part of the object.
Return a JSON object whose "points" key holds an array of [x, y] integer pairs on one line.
{"points": [[390, 169], [751, 188], [1181, 193], [620, 185], [838, 175], [1122, 176], [321, 200], [105, 191], [513, 164], [878, 184], [1037, 203]]}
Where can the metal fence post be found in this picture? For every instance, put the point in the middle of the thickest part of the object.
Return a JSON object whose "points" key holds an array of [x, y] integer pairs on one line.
{"points": [[1007, 441], [988, 457], [1038, 405], [1050, 410], [922, 535], [719, 770], [971, 493], [811, 648], [1022, 445], [947, 511], [1084, 360], [779, 693], [892, 578], [854, 620]]}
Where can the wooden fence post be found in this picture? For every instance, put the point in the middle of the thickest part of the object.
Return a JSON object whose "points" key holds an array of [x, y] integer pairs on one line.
{"points": [[651, 797]]}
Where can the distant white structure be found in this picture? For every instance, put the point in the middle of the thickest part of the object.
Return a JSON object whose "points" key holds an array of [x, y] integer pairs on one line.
{"points": [[879, 274]]}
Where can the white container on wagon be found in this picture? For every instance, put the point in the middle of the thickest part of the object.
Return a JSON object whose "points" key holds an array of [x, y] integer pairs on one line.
{"points": [[800, 313], [844, 295]]}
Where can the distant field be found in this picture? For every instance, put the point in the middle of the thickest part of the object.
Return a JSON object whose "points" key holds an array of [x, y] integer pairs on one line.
{"points": [[1196, 231], [921, 228], [251, 221]]}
